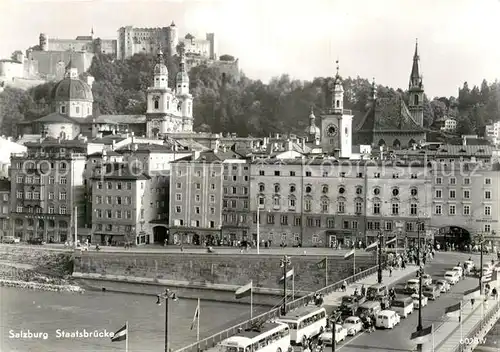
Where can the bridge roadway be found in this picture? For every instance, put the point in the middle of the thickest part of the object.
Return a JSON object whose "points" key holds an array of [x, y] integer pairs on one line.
{"points": [[398, 339]]}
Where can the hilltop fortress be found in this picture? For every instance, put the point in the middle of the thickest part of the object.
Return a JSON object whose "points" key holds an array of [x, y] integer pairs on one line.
{"points": [[49, 59]]}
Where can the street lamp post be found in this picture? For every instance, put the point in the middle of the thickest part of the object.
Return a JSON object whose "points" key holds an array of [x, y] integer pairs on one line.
{"points": [[419, 326], [284, 262], [166, 296], [334, 331], [480, 238], [379, 273]]}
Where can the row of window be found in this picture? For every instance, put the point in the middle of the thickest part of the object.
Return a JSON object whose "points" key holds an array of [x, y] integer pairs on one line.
{"points": [[118, 200], [5, 197], [62, 210], [77, 109], [465, 181], [341, 205], [29, 165], [116, 185], [233, 204], [197, 197], [198, 173], [116, 214], [332, 174], [341, 189], [452, 194], [113, 228], [193, 223], [36, 195], [234, 178], [234, 190], [466, 210], [197, 186], [50, 223], [37, 180]]}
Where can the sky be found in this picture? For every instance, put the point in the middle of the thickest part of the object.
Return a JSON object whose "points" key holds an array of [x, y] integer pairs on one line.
{"points": [[458, 39]]}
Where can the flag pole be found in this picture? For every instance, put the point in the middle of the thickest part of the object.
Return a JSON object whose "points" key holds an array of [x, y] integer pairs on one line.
{"points": [[354, 261], [433, 342], [198, 322], [293, 285], [326, 271], [251, 299], [126, 336], [460, 322]]}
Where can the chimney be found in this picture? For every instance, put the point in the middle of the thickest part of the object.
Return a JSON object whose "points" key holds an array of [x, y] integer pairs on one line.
{"points": [[99, 135], [303, 144], [135, 147], [113, 142], [196, 154], [289, 145]]}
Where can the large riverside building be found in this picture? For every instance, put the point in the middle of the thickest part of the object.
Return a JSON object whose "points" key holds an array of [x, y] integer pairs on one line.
{"points": [[200, 209], [46, 185], [323, 201]]}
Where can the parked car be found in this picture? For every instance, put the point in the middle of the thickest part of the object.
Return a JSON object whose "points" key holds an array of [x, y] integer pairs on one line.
{"points": [[36, 241], [353, 325], [11, 239], [340, 335], [443, 285], [416, 302], [451, 277]]}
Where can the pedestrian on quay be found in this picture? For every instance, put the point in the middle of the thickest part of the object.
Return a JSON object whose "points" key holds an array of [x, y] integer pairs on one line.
{"points": [[363, 291], [472, 301], [494, 292], [390, 271]]}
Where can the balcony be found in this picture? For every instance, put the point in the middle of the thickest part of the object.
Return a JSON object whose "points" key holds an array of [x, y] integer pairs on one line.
{"points": [[47, 156]]}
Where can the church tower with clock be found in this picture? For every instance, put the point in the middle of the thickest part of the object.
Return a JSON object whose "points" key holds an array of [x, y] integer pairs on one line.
{"points": [[336, 123]]}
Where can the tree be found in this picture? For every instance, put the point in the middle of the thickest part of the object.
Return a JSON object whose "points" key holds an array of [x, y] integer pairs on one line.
{"points": [[14, 55]]}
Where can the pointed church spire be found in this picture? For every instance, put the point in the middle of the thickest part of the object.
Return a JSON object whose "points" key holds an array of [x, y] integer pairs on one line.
{"points": [[415, 77], [92, 31], [373, 89]]}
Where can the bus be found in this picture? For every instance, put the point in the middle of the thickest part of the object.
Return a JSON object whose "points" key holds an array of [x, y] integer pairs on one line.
{"points": [[269, 337], [305, 322]]}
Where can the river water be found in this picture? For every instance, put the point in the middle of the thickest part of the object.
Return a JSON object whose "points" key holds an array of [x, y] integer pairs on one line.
{"points": [[46, 312]]}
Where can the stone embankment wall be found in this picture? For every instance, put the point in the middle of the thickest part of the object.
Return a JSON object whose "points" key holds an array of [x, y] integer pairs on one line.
{"points": [[198, 270]]}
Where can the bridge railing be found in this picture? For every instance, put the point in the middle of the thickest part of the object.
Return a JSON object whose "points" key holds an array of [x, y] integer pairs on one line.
{"points": [[274, 313], [478, 327]]}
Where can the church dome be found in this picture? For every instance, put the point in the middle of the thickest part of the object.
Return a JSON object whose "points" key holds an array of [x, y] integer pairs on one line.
{"points": [[160, 69], [72, 89], [313, 130]]}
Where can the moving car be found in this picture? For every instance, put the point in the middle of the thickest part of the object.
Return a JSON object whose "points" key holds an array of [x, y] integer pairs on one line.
{"points": [[353, 325], [411, 286], [432, 292], [369, 309], [340, 335], [443, 285], [426, 280], [403, 306], [459, 271], [350, 305], [414, 297], [469, 264], [387, 319], [451, 277]]}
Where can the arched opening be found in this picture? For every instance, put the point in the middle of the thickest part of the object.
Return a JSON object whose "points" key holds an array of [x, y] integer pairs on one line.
{"points": [[155, 131], [411, 143], [450, 237], [157, 104], [381, 142], [196, 239], [416, 99], [396, 144], [338, 103], [160, 234]]}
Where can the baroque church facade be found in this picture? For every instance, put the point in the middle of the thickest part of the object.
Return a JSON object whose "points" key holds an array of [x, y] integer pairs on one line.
{"points": [[169, 110]]}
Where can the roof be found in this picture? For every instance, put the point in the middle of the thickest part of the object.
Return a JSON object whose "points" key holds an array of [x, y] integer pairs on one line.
{"points": [[448, 150], [250, 334], [29, 138], [72, 89], [212, 156], [11, 61], [147, 147], [108, 140], [300, 312], [49, 141], [121, 171], [84, 37], [118, 119], [56, 118], [4, 185], [108, 153]]}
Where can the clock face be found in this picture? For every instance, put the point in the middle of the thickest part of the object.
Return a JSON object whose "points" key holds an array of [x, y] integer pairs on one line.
{"points": [[331, 130]]}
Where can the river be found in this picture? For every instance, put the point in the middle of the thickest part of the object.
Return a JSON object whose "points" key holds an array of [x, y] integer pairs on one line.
{"points": [[46, 312]]}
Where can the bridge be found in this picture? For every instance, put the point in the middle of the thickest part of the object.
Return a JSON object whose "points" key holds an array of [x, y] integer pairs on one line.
{"points": [[448, 336]]}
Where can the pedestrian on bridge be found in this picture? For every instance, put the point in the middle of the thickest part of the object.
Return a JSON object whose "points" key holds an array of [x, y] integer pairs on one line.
{"points": [[494, 292]]}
